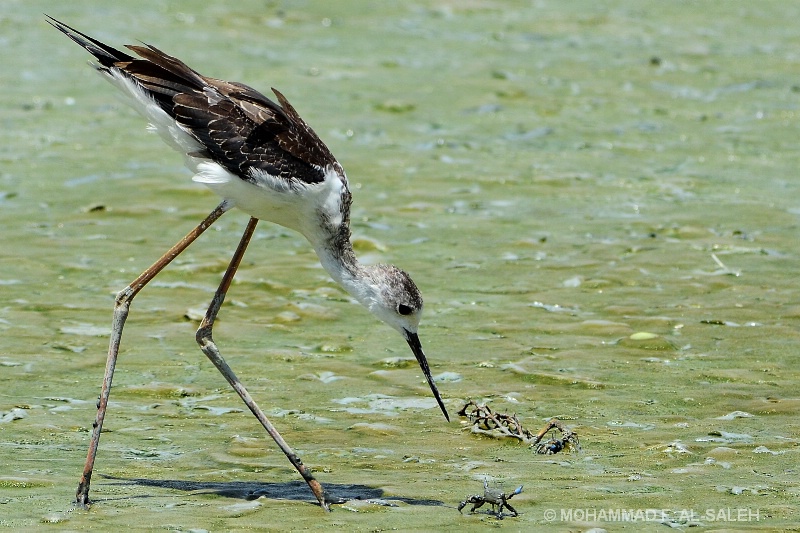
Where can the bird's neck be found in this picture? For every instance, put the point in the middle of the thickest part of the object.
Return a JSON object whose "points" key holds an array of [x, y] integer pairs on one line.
{"points": [[337, 257]]}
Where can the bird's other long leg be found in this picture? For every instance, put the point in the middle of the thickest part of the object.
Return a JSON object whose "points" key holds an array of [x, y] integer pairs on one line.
{"points": [[209, 347], [121, 307]]}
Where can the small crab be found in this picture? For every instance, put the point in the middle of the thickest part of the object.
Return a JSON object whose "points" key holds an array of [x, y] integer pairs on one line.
{"points": [[495, 497]]}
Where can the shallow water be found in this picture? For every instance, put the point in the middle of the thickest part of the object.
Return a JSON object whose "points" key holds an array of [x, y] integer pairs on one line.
{"points": [[561, 181]]}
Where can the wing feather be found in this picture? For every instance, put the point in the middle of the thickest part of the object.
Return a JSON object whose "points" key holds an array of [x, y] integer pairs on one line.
{"points": [[239, 128]]}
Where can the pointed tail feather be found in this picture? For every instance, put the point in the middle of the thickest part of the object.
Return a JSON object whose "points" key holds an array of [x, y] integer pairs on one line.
{"points": [[104, 54]]}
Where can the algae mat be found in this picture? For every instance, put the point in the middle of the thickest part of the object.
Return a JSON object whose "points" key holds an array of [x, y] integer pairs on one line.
{"points": [[599, 203]]}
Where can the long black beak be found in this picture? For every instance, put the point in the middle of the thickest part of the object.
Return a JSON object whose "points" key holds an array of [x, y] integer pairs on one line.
{"points": [[416, 347]]}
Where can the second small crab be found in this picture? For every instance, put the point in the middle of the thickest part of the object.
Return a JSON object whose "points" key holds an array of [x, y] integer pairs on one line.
{"points": [[495, 497]]}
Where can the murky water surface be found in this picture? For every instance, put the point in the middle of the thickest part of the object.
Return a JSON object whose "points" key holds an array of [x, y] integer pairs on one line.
{"points": [[599, 203]]}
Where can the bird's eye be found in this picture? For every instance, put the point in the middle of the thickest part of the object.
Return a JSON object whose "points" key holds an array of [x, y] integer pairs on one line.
{"points": [[403, 309]]}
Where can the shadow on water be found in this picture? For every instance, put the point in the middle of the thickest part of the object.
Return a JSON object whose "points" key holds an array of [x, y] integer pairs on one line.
{"points": [[290, 490]]}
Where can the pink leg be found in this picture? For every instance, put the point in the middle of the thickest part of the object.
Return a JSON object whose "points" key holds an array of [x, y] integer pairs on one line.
{"points": [[121, 307], [209, 347]]}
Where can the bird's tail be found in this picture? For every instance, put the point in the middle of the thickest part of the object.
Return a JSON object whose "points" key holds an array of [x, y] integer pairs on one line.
{"points": [[105, 55]]}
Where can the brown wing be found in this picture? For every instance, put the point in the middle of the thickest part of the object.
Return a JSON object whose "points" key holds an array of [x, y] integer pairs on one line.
{"points": [[240, 128]]}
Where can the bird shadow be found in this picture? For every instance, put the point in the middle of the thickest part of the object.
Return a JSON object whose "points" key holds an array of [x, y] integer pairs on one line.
{"points": [[289, 490]]}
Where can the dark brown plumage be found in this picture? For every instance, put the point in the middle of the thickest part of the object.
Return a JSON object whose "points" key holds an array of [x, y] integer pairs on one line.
{"points": [[239, 128]]}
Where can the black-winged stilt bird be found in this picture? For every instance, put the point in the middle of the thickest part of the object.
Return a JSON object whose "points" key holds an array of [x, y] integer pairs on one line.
{"points": [[264, 159]]}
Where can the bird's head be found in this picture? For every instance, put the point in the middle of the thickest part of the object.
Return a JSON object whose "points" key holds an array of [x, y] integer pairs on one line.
{"points": [[391, 295]]}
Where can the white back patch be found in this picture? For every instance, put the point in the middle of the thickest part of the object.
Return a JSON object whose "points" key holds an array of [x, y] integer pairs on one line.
{"points": [[210, 173]]}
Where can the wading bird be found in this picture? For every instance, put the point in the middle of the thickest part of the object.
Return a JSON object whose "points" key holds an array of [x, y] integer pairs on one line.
{"points": [[262, 158]]}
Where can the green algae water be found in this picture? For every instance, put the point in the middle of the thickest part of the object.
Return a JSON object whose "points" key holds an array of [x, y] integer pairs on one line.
{"points": [[599, 203]]}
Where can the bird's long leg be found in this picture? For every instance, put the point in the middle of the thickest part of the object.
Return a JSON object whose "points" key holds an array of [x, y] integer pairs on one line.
{"points": [[121, 306], [209, 347]]}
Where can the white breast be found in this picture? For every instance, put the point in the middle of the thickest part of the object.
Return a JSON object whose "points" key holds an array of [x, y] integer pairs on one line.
{"points": [[294, 205]]}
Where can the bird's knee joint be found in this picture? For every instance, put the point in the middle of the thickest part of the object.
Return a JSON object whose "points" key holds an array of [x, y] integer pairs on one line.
{"points": [[124, 296], [203, 335]]}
